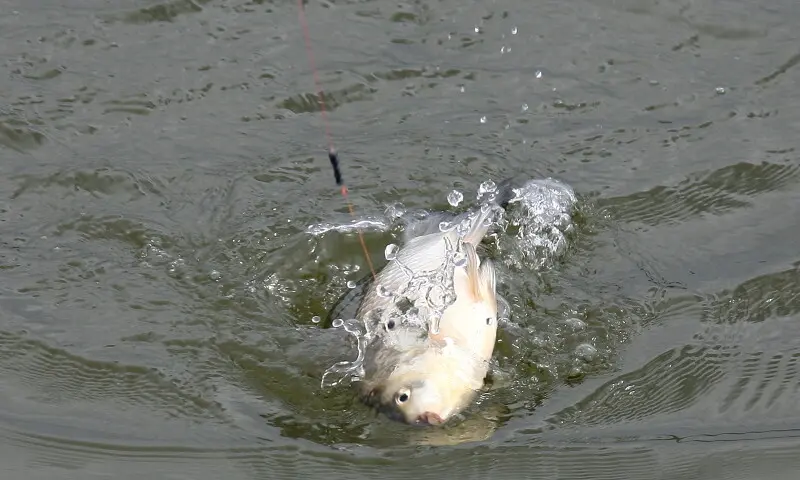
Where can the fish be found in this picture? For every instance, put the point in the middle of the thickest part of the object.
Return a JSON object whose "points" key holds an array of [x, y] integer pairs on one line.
{"points": [[431, 339]]}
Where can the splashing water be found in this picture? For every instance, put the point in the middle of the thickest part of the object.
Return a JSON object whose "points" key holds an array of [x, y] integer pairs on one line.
{"points": [[486, 188], [542, 219], [434, 292], [391, 251], [344, 370], [434, 287], [454, 198], [365, 224], [543, 223]]}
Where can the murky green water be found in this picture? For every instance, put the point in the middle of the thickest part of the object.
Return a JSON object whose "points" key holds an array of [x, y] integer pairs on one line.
{"points": [[162, 160]]}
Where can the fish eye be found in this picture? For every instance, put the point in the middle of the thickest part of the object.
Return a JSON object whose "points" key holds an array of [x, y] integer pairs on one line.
{"points": [[390, 324], [402, 396]]}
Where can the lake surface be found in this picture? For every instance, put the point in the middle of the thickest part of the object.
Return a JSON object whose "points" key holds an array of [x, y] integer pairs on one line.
{"points": [[161, 162]]}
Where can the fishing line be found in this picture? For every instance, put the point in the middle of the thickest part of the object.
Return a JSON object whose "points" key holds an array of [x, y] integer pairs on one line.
{"points": [[332, 156]]}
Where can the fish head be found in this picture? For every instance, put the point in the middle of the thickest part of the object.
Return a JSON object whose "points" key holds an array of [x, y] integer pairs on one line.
{"points": [[429, 390]]}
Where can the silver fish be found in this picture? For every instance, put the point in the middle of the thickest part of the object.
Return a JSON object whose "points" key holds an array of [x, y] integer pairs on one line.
{"points": [[431, 338]]}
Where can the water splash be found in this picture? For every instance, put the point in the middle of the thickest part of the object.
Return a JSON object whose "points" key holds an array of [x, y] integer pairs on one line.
{"points": [[531, 233], [432, 292], [391, 251], [395, 210], [542, 220], [454, 198], [364, 224], [347, 370], [486, 188]]}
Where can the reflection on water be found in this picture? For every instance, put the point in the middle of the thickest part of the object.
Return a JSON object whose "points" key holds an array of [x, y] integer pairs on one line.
{"points": [[169, 229]]}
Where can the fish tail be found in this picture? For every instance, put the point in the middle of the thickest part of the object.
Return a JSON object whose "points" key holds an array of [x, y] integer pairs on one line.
{"points": [[479, 227], [482, 276]]}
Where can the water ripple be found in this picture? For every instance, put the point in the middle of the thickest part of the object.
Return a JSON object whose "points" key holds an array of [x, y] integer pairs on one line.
{"points": [[729, 188], [58, 378]]}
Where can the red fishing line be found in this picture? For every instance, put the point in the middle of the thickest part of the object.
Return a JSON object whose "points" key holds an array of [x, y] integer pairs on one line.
{"points": [[332, 156]]}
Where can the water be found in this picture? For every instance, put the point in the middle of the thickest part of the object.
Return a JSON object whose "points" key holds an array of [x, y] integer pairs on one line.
{"points": [[162, 162]]}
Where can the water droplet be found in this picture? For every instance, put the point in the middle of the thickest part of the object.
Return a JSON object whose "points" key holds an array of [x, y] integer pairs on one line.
{"points": [[486, 187], [720, 90], [477, 29], [513, 30], [462, 89], [464, 226], [524, 107], [391, 251], [337, 323], [383, 291], [502, 49], [538, 74], [215, 275], [396, 210], [435, 296], [654, 82], [351, 284], [454, 198], [448, 298], [483, 119], [315, 319]]}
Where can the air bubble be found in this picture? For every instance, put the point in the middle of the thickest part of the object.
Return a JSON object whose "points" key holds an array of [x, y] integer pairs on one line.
{"points": [[351, 284], [215, 275], [575, 323], [538, 74], [337, 323], [586, 352], [315, 319], [454, 198], [513, 30], [483, 119]]}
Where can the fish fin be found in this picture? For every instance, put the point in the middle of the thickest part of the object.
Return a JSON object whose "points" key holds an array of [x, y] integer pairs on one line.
{"points": [[480, 225], [505, 193], [482, 275]]}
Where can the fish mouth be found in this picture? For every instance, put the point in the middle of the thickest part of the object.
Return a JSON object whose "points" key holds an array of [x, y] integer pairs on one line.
{"points": [[372, 399], [429, 418]]}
